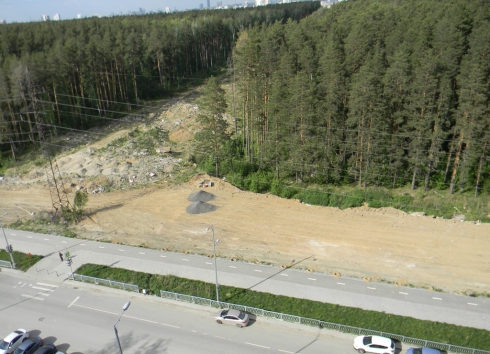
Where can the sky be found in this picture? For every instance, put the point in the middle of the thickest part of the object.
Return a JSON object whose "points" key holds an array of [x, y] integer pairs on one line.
{"points": [[32, 10]]}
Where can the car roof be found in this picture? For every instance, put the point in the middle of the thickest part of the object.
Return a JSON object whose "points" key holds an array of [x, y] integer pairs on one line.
{"points": [[381, 340], [426, 350], [14, 334], [233, 312]]}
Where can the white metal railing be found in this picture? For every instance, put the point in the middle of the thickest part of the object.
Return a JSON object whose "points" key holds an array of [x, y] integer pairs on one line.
{"points": [[106, 282], [5, 264], [320, 324]]}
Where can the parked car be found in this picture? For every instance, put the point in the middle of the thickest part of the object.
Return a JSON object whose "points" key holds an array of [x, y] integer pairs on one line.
{"points": [[47, 349], [425, 350], [29, 346], [374, 344], [13, 340], [234, 317]]}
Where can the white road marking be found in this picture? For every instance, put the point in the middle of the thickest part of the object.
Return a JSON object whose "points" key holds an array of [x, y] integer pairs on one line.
{"points": [[46, 239], [402, 293], [23, 285], [219, 337], [32, 297], [121, 250], [38, 288], [101, 247], [141, 252], [232, 267], [285, 351], [193, 331], [82, 244], [285, 275], [113, 313], [257, 345], [258, 270], [311, 279], [185, 259], [73, 302], [371, 288], [44, 284], [437, 298], [163, 256], [64, 242], [472, 304], [164, 324], [43, 294], [209, 263], [29, 236], [341, 283]]}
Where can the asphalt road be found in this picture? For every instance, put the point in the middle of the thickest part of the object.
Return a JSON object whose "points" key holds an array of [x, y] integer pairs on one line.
{"points": [[406, 301], [80, 319]]}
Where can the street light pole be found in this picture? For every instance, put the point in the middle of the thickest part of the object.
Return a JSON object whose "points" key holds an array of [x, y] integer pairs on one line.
{"points": [[125, 307], [8, 248], [215, 266]]}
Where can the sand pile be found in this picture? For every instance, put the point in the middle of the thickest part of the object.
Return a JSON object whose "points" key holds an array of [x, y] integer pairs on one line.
{"points": [[201, 196], [200, 208]]}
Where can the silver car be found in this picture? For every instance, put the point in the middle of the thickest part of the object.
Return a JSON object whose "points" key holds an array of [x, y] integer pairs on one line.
{"points": [[13, 340], [234, 317]]}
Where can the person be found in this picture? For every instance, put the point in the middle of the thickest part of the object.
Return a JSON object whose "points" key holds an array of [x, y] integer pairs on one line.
{"points": [[61, 256]]}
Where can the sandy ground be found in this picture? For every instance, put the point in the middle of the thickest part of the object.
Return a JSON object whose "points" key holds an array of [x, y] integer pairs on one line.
{"points": [[376, 244]]}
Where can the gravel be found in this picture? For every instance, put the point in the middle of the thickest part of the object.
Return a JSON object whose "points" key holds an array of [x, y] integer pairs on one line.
{"points": [[200, 208], [201, 196]]}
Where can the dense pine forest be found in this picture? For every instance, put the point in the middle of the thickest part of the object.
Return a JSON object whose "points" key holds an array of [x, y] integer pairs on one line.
{"points": [[372, 92], [389, 94], [72, 74]]}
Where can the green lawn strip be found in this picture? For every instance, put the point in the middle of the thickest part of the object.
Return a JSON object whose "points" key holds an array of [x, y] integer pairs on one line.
{"points": [[22, 260], [407, 326]]}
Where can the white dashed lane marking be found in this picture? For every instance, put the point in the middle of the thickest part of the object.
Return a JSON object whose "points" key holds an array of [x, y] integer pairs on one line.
{"points": [[101, 247], [258, 270], [472, 304], [257, 345], [163, 256], [311, 279], [209, 263], [32, 297], [436, 298], [371, 288], [285, 275], [341, 283], [232, 267], [186, 260], [141, 252], [44, 289], [121, 250], [402, 293]]}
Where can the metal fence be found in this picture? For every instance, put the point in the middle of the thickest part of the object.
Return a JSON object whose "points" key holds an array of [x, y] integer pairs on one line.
{"points": [[5, 264], [319, 324], [106, 282]]}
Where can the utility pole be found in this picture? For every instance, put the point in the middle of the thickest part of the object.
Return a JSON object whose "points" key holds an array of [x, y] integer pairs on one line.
{"points": [[59, 197]]}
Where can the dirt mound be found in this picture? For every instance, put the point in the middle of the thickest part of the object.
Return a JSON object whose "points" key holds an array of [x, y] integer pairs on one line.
{"points": [[201, 196], [200, 208]]}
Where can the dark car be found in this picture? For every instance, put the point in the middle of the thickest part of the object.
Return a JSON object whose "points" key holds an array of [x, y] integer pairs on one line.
{"points": [[425, 350], [29, 346], [46, 349]]}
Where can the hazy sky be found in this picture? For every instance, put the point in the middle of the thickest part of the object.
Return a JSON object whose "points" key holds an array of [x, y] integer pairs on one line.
{"points": [[32, 10]]}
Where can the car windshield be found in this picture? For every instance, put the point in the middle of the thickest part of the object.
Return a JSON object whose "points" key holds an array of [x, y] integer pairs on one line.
{"points": [[18, 351], [4, 345], [367, 340], [241, 315], [224, 313]]}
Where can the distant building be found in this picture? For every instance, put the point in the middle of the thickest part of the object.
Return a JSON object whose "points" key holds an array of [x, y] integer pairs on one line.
{"points": [[328, 3], [79, 16], [200, 6], [56, 17], [45, 17], [209, 5], [167, 10], [3, 22]]}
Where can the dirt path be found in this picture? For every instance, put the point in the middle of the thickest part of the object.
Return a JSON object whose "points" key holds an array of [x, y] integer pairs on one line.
{"points": [[375, 243]]}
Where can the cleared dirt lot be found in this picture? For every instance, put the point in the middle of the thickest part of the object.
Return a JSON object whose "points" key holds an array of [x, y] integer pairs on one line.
{"points": [[380, 244]]}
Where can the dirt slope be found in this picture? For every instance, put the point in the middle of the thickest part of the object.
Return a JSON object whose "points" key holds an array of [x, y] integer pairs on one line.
{"points": [[373, 243]]}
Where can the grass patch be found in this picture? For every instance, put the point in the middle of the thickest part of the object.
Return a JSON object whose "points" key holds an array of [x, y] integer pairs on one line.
{"points": [[43, 226], [22, 260], [434, 331]]}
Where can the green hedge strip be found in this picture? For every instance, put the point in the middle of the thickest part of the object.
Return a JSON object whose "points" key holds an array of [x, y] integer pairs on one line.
{"points": [[407, 326]]}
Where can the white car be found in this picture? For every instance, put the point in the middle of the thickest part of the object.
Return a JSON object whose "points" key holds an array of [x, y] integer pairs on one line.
{"points": [[13, 340], [374, 344]]}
